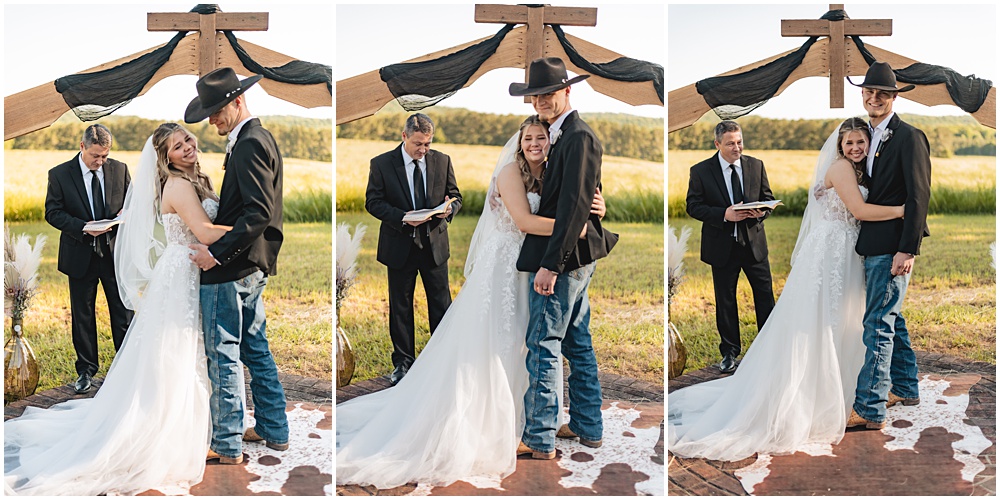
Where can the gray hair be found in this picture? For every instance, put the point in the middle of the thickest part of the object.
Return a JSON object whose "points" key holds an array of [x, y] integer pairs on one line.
{"points": [[723, 127], [418, 122], [97, 134]]}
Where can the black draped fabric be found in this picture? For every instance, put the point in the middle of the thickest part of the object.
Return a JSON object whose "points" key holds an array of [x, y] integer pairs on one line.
{"points": [[94, 95], [736, 95], [623, 69], [418, 85]]}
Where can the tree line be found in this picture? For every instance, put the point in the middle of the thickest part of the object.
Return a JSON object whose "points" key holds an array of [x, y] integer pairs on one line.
{"points": [[626, 136], [297, 137], [948, 136]]}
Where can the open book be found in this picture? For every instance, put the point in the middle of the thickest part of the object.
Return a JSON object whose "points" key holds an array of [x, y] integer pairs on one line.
{"points": [[103, 225], [767, 205], [427, 213]]}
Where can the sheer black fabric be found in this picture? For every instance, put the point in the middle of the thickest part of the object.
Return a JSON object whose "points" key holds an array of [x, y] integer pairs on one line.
{"points": [[418, 85], [94, 95], [733, 96], [421, 84]]}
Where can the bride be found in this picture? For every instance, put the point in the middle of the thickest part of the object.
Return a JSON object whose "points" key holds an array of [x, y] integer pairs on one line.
{"points": [[796, 382], [459, 410], [148, 425]]}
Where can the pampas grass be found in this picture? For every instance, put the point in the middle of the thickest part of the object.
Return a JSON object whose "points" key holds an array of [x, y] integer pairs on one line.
{"points": [[676, 247], [20, 272], [348, 248]]}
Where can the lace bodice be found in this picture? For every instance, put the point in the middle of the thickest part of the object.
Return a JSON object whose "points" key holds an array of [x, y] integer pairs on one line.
{"points": [[178, 233], [834, 208], [504, 221]]}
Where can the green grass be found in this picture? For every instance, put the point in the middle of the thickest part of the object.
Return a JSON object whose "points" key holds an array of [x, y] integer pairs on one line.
{"points": [[307, 195], [633, 189], [626, 295], [960, 185], [298, 301], [950, 305]]}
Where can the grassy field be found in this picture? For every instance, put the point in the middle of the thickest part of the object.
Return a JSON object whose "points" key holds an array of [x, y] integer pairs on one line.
{"points": [[633, 188], [950, 305], [298, 301], [626, 295], [307, 183], [953, 180]]}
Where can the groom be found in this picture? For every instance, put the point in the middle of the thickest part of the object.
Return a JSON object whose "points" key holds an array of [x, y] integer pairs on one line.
{"points": [[561, 266], [235, 269], [899, 167]]}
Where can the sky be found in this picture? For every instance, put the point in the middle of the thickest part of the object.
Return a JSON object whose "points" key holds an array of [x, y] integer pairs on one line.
{"points": [[43, 43], [369, 37], [962, 37]]}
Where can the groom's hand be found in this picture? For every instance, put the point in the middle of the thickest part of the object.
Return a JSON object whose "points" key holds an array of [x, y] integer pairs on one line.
{"points": [[201, 257], [545, 282], [902, 263]]}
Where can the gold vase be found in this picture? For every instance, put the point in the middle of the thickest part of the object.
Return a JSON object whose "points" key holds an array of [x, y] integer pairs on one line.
{"points": [[676, 351], [20, 368], [345, 357]]}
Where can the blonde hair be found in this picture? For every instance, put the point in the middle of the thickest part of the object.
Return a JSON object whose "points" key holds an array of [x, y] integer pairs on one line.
{"points": [[532, 184], [164, 169]]}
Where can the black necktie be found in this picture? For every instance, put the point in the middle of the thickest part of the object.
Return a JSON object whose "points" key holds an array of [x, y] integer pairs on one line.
{"points": [[734, 180], [98, 208], [419, 203], [95, 190], [419, 197]]}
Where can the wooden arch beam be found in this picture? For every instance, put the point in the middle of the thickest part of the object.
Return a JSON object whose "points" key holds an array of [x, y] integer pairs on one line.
{"points": [[687, 105], [363, 95], [39, 107]]}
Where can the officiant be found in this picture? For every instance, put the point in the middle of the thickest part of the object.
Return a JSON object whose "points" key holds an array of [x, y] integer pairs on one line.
{"points": [[412, 177], [89, 187], [732, 240]]}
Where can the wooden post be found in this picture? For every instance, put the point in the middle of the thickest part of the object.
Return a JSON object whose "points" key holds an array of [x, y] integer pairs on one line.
{"points": [[535, 18], [207, 25], [837, 32]]}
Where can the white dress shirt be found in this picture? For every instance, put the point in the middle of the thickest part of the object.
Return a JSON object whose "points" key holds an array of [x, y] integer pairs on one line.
{"points": [[87, 174], [877, 133], [727, 176], [408, 163], [555, 129], [234, 133]]}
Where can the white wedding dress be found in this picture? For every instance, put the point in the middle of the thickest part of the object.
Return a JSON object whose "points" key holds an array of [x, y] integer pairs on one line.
{"points": [[795, 385], [458, 412], [149, 424]]}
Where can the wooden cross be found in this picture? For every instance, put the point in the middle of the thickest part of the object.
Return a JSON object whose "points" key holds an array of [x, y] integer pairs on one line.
{"points": [[206, 25], [535, 17], [837, 32]]}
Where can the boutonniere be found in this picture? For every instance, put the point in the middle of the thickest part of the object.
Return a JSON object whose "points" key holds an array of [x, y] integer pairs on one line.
{"points": [[885, 138]]}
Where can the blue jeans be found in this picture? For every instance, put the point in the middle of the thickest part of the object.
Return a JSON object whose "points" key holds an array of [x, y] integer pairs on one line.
{"points": [[888, 356], [560, 323], [232, 316]]}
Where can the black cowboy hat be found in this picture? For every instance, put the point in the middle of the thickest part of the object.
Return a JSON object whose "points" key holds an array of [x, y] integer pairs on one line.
{"points": [[881, 77], [216, 89], [545, 75]]}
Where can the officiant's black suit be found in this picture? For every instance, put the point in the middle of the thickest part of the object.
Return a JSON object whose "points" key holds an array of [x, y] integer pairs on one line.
{"points": [[68, 209], [388, 198], [250, 202], [707, 200], [900, 175]]}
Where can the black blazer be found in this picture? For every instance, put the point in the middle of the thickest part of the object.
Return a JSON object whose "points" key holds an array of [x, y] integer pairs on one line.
{"points": [[901, 175], [250, 201], [708, 198], [388, 198], [570, 180], [68, 210]]}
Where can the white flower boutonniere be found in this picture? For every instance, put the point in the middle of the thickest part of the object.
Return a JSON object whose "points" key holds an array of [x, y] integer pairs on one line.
{"points": [[885, 138]]}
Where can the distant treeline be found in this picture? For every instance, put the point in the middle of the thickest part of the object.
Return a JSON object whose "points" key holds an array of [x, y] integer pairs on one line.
{"points": [[297, 137], [948, 136], [621, 135]]}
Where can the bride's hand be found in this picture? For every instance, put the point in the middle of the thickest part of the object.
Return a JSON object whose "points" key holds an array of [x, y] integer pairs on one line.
{"points": [[598, 207]]}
